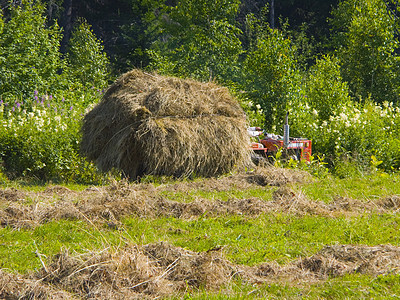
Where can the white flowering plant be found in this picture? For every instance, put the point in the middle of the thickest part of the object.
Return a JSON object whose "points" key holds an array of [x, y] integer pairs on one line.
{"points": [[359, 130], [40, 138]]}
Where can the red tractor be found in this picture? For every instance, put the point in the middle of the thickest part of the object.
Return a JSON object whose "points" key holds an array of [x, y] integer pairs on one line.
{"points": [[267, 147]]}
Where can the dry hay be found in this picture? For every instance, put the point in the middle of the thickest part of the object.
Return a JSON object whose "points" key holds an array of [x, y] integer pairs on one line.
{"points": [[272, 176], [338, 260], [14, 286], [161, 270], [10, 195], [134, 272], [152, 124], [107, 205], [110, 203], [390, 203], [259, 176]]}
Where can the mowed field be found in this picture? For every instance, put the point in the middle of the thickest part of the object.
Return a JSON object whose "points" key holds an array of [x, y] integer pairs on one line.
{"points": [[267, 233]]}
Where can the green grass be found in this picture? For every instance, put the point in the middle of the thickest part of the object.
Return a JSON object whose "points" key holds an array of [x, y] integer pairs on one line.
{"points": [[353, 286], [361, 188], [264, 193], [269, 237], [39, 186], [18, 248], [246, 240]]}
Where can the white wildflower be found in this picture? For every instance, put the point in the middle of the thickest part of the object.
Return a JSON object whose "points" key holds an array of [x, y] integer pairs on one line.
{"points": [[343, 116], [39, 122]]}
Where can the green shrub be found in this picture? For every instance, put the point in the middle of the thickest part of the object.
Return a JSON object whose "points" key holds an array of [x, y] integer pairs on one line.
{"points": [[197, 39], [42, 139], [29, 52], [44, 95], [366, 46], [271, 76], [87, 64], [354, 130], [324, 88]]}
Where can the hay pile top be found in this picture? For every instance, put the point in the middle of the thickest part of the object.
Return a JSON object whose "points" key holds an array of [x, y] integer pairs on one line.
{"points": [[152, 124]]}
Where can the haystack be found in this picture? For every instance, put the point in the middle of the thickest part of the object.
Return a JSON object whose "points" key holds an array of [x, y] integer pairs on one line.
{"points": [[152, 124]]}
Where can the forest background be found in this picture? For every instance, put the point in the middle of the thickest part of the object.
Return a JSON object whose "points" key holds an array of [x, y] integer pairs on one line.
{"points": [[334, 65]]}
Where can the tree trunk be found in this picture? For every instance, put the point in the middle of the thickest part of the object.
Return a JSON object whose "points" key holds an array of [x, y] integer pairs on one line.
{"points": [[272, 14], [67, 22]]}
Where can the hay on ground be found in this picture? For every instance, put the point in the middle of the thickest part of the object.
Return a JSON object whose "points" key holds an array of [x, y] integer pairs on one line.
{"points": [[162, 270], [151, 124]]}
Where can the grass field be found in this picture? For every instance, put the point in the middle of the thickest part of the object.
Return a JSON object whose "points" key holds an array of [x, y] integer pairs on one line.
{"points": [[269, 233]]}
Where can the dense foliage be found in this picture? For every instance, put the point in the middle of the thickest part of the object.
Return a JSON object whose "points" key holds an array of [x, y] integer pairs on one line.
{"points": [[338, 74], [44, 94]]}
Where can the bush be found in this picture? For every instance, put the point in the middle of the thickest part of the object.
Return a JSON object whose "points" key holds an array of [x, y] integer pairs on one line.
{"points": [[345, 131], [42, 139], [272, 76], [43, 95], [367, 47], [29, 52], [354, 130], [87, 64], [324, 87]]}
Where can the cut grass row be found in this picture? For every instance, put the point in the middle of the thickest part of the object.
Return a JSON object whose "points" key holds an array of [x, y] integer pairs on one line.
{"points": [[244, 240], [353, 286]]}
